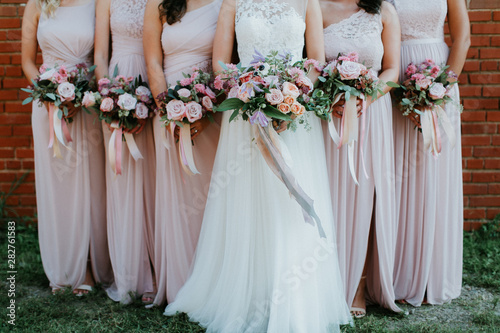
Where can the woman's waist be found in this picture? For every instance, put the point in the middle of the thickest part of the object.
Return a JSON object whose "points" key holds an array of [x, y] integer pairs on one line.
{"points": [[420, 41], [174, 70]]}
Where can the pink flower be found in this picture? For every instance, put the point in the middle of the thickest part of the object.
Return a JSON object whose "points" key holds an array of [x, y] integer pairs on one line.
{"points": [[284, 108], [103, 82], [297, 109], [186, 81], [218, 83], [233, 93], [63, 71], [107, 104], [246, 77], [437, 91], [435, 71], [312, 62], [410, 70], [424, 83], [66, 91], [43, 69], [193, 111], [127, 101], [209, 93], [274, 97], [305, 82], [271, 80], [104, 91], [143, 91], [88, 99], [290, 89], [350, 70], [200, 88], [184, 93], [59, 78], [207, 103], [141, 111], [353, 56], [176, 110]]}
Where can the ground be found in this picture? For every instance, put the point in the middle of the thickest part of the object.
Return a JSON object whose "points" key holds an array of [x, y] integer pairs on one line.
{"points": [[37, 310]]}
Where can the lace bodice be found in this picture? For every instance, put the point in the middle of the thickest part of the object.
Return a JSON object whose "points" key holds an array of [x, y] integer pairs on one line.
{"points": [[127, 17], [421, 19], [362, 33], [267, 25]]}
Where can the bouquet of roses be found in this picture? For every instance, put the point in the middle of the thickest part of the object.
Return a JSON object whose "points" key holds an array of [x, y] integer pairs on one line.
{"points": [[124, 103], [189, 101], [271, 90], [63, 90], [421, 97]]}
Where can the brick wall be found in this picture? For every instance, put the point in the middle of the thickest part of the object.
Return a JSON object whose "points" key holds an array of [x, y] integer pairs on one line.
{"points": [[480, 89]]}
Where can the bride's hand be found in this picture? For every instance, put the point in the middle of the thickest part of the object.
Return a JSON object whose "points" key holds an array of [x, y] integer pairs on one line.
{"points": [[198, 126], [280, 126]]}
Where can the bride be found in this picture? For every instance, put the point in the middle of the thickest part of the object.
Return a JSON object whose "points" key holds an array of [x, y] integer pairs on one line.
{"points": [[258, 266]]}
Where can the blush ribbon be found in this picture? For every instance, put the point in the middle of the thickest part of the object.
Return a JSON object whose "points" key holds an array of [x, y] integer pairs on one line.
{"points": [[59, 128], [430, 119]]}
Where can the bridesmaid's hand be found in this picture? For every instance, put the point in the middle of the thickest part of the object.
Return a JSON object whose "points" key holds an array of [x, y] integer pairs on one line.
{"points": [[71, 110], [415, 118], [138, 129], [338, 108], [198, 126], [281, 126]]}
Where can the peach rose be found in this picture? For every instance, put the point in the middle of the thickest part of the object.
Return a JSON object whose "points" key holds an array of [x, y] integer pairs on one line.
{"points": [[297, 109], [289, 100], [284, 108], [290, 89]]}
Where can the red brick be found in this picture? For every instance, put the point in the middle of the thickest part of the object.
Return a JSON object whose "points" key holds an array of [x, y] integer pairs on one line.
{"points": [[28, 165], [470, 226], [486, 151], [18, 107], [492, 163], [470, 116], [6, 153], [5, 130], [31, 201], [495, 41], [8, 11], [8, 95], [480, 104], [466, 201], [4, 59], [15, 119], [475, 164], [475, 188], [485, 28], [484, 201], [478, 128], [493, 116], [23, 153], [466, 177], [491, 91], [489, 65], [480, 41], [470, 91], [490, 53], [484, 78], [15, 83], [14, 35], [14, 142], [14, 71], [476, 213], [486, 177], [22, 130], [494, 189], [13, 165], [472, 53], [496, 16], [6, 23], [466, 151], [472, 65], [476, 140], [3, 34], [491, 213], [480, 16]]}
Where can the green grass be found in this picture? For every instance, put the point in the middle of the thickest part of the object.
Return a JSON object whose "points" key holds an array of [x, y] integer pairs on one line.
{"points": [[39, 311]]}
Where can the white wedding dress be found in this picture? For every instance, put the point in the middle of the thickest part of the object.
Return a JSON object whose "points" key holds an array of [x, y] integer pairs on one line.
{"points": [[258, 266]]}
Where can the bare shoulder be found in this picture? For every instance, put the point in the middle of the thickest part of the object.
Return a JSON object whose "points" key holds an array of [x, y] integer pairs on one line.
{"points": [[388, 12], [33, 9]]}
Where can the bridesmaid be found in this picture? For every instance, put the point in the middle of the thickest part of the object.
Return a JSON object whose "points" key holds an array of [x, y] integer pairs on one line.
{"points": [[71, 206], [365, 214], [429, 190], [177, 36], [129, 196]]}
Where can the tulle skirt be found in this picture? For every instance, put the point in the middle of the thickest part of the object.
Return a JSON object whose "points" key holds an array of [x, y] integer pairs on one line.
{"points": [[71, 203], [355, 205], [258, 266], [430, 201]]}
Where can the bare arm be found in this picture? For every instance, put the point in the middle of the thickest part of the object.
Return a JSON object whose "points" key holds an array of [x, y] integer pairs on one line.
{"points": [[29, 43], [458, 21], [315, 45], [102, 38], [224, 35]]}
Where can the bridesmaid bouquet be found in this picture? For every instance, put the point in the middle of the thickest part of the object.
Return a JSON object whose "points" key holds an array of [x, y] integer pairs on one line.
{"points": [[189, 101], [63, 90], [271, 90], [345, 78], [124, 103], [421, 97]]}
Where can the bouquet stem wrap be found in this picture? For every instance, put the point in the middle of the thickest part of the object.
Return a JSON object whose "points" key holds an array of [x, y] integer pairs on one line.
{"points": [[349, 131], [186, 157], [429, 121], [58, 127], [275, 153], [115, 147]]}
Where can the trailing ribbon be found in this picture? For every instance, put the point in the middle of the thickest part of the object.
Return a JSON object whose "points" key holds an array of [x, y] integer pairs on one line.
{"points": [[115, 147], [349, 131], [273, 149], [429, 121], [58, 127], [186, 150]]}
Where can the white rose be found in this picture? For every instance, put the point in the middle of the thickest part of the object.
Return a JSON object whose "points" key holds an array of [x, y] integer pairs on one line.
{"points": [[207, 103], [274, 97], [141, 111], [88, 99], [175, 109], [142, 91], [437, 91], [350, 70], [127, 101], [193, 111], [183, 92], [66, 91]]}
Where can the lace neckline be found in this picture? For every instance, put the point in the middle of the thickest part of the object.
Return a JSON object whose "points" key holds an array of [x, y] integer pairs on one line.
{"points": [[347, 19]]}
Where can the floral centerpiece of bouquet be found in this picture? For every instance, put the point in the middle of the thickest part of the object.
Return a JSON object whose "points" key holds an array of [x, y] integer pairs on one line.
{"points": [[421, 97], [63, 91], [272, 89], [188, 101], [124, 103]]}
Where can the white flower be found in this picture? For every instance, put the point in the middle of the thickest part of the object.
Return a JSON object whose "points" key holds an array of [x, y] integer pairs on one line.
{"points": [[274, 97], [437, 91], [175, 109], [183, 92], [66, 91], [88, 99], [141, 111], [47, 75], [350, 70], [142, 91], [127, 101]]}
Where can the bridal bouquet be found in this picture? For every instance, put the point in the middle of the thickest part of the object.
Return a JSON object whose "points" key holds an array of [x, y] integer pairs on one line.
{"points": [[189, 101], [124, 103], [271, 90], [345, 78], [63, 90], [421, 97]]}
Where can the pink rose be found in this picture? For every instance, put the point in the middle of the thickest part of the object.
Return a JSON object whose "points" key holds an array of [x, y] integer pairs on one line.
{"points": [[186, 81], [209, 93], [104, 91], [103, 82], [284, 108], [66, 91], [353, 56], [88, 99], [305, 82], [143, 91], [290, 89], [127, 101], [141, 111], [437, 91], [200, 88], [207, 103], [107, 104], [297, 109], [274, 97], [424, 83], [43, 69], [218, 83], [411, 69], [193, 111], [184, 93], [350, 70], [176, 110], [233, 93]]}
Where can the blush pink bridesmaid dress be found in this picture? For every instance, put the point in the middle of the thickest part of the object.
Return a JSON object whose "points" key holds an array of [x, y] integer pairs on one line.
{"points": [[70, 191], [429, 190], [354, 206], [180, 198], [130, 196]]}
